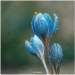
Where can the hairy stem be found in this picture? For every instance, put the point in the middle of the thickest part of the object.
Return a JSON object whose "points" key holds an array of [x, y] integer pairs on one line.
{"points": [[43, 61], [47, 50], [46, 44]]}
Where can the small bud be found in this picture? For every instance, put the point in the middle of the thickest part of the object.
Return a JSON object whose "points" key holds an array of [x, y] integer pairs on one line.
{"points": [[35, 47], [56, 56]]}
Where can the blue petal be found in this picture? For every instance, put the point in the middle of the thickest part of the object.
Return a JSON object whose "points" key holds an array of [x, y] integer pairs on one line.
{"points": [[56, 23], [41, 25], [29, 48], [32, 25], [33, 45], [39, 45], [51, 59], [50, 22], [60, 52]]}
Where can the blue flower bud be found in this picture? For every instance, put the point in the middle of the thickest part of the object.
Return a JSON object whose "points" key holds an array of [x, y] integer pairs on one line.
{"points": [[43, 26], [56, 56], [35, 46]]}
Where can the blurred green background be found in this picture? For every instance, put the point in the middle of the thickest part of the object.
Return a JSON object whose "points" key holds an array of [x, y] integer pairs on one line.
{"points": [[16, 19]]}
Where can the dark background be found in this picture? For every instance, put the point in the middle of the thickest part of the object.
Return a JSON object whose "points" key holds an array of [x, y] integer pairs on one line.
{"points": [[16, 19]]}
